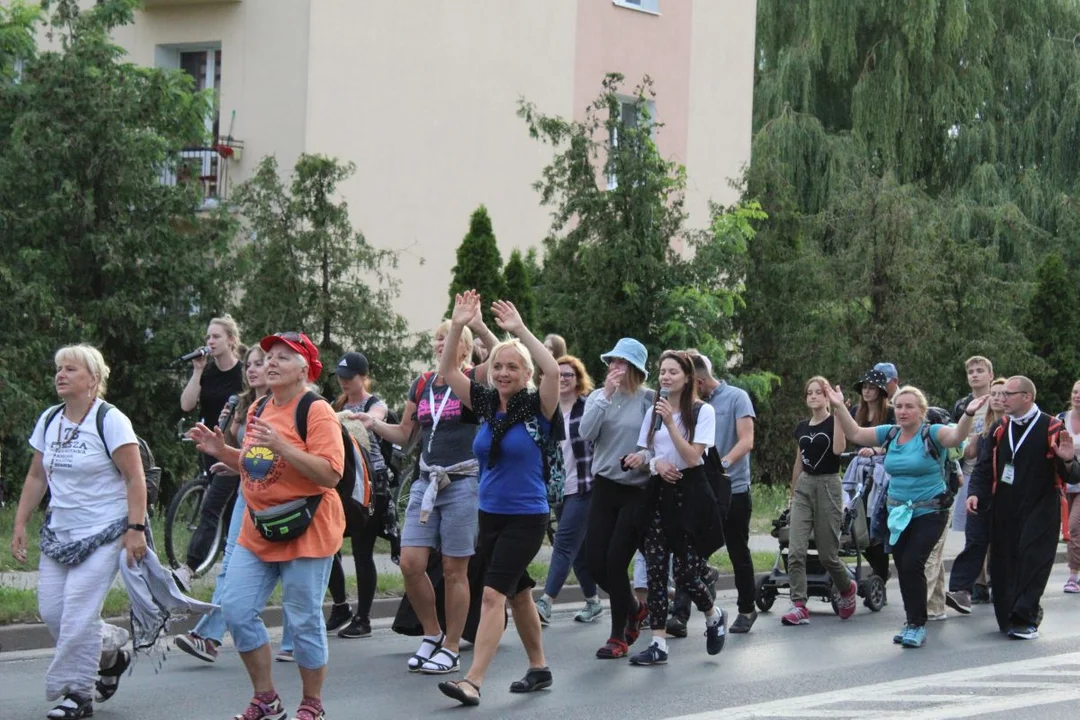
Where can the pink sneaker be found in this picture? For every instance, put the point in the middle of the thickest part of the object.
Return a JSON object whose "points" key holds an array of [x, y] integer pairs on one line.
{"points": [[846, 605], [797, 615], [1072, 587]]}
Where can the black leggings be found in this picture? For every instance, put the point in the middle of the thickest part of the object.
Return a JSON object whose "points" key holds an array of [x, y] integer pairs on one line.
{"points": [[610, 544], [216, 509], [662, 545], [910, 554], [363, 536]]}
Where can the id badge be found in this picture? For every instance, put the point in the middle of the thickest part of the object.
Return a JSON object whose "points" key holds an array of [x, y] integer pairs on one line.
{"points": [[1007, 474]]}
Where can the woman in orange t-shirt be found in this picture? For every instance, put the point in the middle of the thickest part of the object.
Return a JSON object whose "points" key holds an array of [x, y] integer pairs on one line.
{"points": [[277, 467]]}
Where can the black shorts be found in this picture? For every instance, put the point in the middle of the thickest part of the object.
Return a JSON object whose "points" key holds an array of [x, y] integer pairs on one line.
{"points": [[508, 543]]}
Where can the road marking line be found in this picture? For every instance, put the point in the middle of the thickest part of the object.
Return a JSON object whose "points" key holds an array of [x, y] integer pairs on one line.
{"points": [[908, 690]]}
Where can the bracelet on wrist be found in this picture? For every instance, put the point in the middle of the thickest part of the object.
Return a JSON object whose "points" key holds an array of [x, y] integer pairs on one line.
{"points": [[970, 415], [139, 527]]}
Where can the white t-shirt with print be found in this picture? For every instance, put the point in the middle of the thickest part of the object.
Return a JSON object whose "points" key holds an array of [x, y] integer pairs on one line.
{"points": [[88, 491], [570, 486], [664, 448]]}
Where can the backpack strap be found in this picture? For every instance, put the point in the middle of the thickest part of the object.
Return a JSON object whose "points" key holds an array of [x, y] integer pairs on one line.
{"points": [[50, 415], [928, 443], [891, 435], [371, 400], [302, 409], [102, 411], [421, 386]]}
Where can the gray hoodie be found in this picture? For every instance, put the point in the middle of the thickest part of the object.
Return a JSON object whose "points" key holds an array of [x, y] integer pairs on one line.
{"points": [[613, 427]]}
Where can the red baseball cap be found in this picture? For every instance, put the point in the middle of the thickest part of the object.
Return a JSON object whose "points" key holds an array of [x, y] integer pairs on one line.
{"points": [[300, 343]]}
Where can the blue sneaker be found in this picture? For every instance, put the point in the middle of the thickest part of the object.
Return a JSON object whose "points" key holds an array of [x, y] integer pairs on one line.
{"points": [[651, 655], [914, 637], [898, 638], [715, 635], [1024, 632]]}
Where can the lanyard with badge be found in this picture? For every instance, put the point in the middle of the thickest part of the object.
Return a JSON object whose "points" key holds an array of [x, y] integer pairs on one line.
{"points": [[435, 414], [1009, 473]]}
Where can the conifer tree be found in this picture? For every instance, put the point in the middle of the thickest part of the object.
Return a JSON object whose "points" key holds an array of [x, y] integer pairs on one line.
{"points": [[1052, 328], [479, 264], [519, 289]]}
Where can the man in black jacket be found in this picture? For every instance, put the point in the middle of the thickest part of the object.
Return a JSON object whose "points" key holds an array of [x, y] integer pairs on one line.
{"points": [[1016, 481]]}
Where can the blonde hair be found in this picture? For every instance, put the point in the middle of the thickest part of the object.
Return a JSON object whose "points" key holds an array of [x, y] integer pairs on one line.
{"points": [[979, 360], [992, 416], [232, 331], [518, 347], [90, 358], [466, 337], [920, 398]]}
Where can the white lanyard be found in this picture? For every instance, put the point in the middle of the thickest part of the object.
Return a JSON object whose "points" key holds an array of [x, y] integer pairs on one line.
{"points": [[435, 414], [1016, 446]]}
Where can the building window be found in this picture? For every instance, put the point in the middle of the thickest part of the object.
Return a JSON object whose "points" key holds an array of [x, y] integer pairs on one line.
{"points": [[649, 6], [630, 116]]}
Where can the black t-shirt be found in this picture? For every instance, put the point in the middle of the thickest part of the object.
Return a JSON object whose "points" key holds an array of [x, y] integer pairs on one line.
{"points": [[816, 447], [215, 387]]}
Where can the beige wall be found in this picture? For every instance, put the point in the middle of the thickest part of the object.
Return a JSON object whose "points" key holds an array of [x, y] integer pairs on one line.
{"points": [[422, 97], [264, 47], [721, 101]]}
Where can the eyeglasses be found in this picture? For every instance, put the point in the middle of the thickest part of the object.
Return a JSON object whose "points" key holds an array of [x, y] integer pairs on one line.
{"points": [[1010, 393], [568, 375]]}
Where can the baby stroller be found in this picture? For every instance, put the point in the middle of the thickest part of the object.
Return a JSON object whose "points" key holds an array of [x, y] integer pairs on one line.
{"points": [[854, 538]]}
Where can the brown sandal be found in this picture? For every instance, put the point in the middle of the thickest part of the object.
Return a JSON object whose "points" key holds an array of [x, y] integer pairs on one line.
{"points": [[453, 690]]}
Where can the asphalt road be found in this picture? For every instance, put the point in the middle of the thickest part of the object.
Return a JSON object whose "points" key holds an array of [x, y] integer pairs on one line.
{"points": [[827, 669]]}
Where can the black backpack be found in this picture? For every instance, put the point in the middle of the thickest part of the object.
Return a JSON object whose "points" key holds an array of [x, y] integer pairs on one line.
{"points": [[150, 468], [357, 468]]}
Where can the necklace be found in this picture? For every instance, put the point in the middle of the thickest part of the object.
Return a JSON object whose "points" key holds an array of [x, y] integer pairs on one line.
{"points": [[69, 437]]}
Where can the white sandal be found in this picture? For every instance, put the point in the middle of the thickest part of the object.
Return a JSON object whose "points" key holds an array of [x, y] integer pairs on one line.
{"points": [[437, 665]]}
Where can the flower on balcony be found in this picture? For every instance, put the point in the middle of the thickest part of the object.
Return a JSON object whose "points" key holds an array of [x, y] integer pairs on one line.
{"points": [[225, 151]]}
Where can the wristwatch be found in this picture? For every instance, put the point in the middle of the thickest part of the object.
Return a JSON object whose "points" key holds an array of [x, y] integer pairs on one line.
{"points": [[136, 526], [725, 462]]}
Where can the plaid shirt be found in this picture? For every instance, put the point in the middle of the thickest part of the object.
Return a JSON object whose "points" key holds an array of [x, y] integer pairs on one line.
{"points": [[582, 448]]}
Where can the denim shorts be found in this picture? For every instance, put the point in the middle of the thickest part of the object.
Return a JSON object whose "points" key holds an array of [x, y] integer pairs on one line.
{"points": [[452, 526], [303, 585]]}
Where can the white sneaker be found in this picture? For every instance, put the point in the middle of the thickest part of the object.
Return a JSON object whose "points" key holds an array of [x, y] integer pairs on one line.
{"points": [[183, 577], [937, 617]]}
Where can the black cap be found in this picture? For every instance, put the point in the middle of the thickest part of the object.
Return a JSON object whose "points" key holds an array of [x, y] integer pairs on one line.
{"points": [[351, 365]]}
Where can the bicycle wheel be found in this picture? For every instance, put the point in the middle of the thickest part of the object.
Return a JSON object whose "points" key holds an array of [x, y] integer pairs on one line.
{"points": [[182, 518]]}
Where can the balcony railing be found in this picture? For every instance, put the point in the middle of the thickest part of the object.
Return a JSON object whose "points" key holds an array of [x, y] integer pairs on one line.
{"points": [[207, 166]]}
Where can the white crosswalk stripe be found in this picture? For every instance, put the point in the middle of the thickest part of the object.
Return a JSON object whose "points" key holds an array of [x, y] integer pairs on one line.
{"points": [[999, 688]]}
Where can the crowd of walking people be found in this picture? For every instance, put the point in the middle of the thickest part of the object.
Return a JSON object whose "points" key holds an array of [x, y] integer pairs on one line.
{"points": [[510, 431]]}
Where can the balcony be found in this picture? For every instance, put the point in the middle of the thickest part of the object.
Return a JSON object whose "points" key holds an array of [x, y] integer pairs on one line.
{"points": [[209, 168]]}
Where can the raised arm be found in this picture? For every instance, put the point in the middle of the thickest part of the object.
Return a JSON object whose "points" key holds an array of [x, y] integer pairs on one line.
{"points": [[508, 318], [480, 330], [951, 437], [466, 305], [860, 436], [189, 398]]}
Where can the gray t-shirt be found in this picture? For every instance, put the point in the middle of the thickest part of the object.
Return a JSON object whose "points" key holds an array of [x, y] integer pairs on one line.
{"points": [[731, 404], [451, 441], [613, 427]]}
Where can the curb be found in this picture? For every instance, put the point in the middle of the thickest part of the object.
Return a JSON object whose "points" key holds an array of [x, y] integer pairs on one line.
{"points": [[35, 636]]}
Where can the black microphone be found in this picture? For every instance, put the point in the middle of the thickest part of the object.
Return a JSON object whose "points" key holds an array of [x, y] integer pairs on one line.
{"points": [[230, 410], [657, 420], [200, 352]]}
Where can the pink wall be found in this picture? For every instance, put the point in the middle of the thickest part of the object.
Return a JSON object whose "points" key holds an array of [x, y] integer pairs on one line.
{"points": [[611, 38]]}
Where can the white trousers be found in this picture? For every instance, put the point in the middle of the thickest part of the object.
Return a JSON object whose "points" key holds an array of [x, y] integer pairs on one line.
{"points": [[70, 599]]}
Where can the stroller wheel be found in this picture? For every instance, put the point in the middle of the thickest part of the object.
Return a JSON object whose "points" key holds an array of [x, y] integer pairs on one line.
{"points": [[874, 593], [766, 594]]}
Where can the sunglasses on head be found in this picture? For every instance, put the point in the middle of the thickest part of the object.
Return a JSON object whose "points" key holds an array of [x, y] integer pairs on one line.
{"points": [[292, 337]]}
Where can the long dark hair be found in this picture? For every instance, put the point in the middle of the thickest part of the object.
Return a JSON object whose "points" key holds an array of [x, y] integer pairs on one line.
{"points": [[689, 392], [880, 406]]}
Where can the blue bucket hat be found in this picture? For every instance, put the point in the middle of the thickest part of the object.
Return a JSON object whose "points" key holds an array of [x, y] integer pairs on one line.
{"points": [[631, 351]]}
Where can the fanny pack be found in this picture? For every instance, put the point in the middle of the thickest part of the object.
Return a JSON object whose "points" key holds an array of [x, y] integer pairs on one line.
{"points": [[289, 521]]}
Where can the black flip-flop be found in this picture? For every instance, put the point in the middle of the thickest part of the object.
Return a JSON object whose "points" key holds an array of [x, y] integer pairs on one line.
{"points": [[535, 679], [453, 690]]}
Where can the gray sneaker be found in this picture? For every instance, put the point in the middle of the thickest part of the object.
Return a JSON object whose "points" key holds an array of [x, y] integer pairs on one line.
{"points": [[592, 610], [543, 609], [960, 601]]}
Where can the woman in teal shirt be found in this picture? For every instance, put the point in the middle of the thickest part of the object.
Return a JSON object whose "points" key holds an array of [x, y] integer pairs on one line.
{"points": [[917, 510]]}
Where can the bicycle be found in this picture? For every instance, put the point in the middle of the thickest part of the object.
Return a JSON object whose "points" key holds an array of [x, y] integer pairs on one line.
{"points": [[182, 518]]}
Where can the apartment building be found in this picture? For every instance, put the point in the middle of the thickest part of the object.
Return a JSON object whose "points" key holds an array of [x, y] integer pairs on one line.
{"points": [[422, 95]]}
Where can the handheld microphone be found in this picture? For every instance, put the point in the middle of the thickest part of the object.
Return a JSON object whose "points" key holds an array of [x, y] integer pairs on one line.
{"points": [[230, 410], [197, 353], [657, 420]]}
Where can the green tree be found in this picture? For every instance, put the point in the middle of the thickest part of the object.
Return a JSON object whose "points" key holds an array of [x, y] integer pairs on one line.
{"points": [[610, 265], [519, 287], [1052, 327], [479, 264], [308, 270], [911, 158], [95, 247]]}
